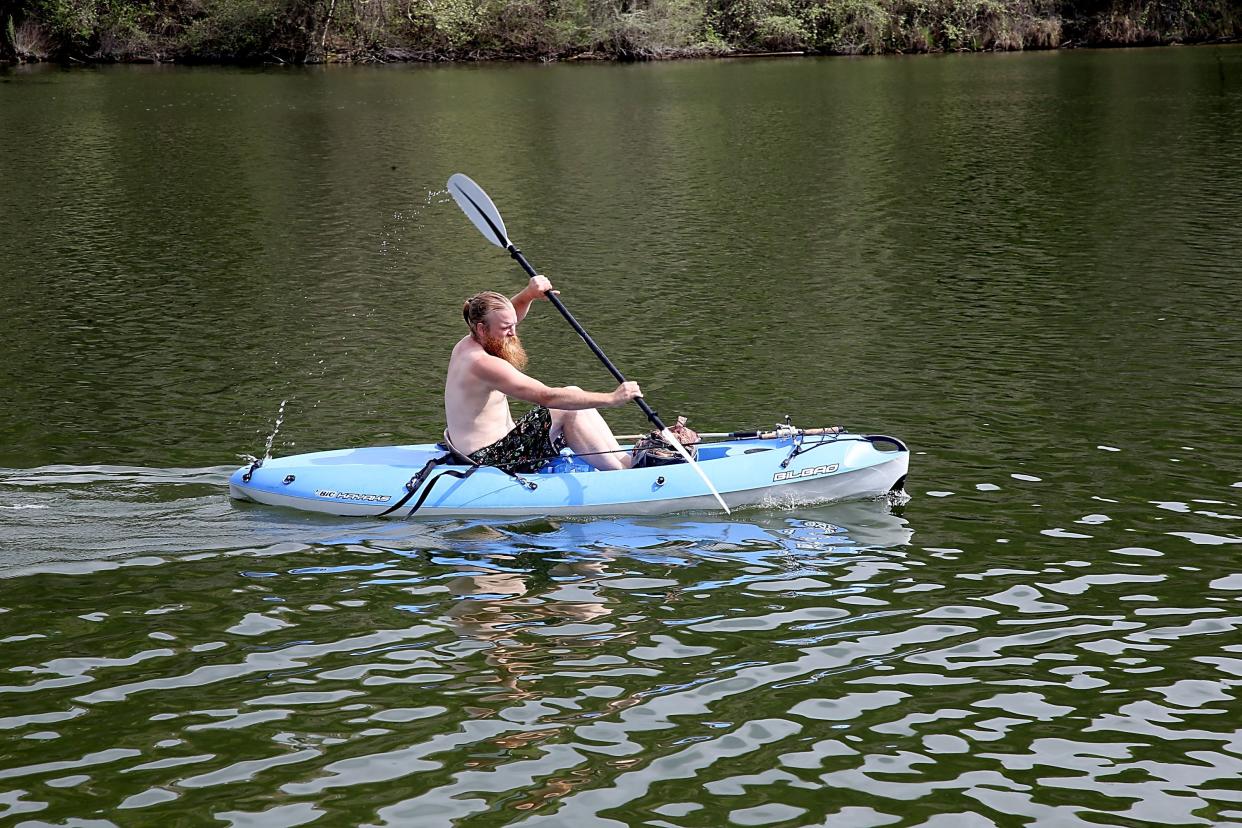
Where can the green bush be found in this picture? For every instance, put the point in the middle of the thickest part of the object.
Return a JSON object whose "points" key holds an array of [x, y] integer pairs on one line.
{"points": [[71, 23], [782, 32], [737, 21], [248, 30], [852, 27], [655, 31]]}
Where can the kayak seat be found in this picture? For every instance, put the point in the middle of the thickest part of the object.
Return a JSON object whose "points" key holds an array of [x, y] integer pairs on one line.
{"points": [[567, 461], [459, 457]]}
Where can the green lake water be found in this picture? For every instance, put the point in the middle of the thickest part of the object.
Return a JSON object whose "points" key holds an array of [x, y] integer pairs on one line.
{"points": [[1025, 266]]}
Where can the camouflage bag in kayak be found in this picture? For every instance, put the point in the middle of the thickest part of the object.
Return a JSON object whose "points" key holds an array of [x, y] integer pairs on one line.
{"points": [[653, 450]]}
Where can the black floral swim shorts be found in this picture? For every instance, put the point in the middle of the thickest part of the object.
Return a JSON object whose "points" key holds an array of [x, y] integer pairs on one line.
{"points": [[526, 447]]}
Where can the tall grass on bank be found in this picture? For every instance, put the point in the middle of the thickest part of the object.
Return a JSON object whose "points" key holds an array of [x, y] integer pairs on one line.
{"points": [[384, 30]]}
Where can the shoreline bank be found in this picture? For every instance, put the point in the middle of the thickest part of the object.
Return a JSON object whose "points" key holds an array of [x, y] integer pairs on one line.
{"points": [[397, 57], [257, 32]]}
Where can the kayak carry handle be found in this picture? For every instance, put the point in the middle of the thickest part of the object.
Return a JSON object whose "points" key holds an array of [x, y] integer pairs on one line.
{"points": [[880, 439], [250, 471]]}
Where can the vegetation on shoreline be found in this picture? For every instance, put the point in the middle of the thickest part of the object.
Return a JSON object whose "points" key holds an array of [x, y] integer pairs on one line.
{"points": [[313, 31]]}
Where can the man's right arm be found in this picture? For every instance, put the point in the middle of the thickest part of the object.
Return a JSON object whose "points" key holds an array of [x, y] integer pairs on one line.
{"points": [[498, 374]]}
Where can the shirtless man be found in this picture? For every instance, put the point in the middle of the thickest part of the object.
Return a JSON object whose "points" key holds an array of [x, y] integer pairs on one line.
{"points": [[486, 369]]}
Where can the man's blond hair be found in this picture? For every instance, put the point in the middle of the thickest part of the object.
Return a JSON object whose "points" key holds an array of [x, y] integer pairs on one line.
{"points": [[477, 307]]}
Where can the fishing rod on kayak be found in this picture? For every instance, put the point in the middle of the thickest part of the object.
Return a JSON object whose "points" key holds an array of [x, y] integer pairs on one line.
{"points": [[478, 207], [754, 435]]}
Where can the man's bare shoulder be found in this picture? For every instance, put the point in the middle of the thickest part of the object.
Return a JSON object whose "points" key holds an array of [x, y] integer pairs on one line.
{"points": [[469, 359], [467, 350]]}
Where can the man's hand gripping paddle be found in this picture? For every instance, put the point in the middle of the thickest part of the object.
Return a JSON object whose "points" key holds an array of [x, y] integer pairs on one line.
{"points": [[483, 213]]}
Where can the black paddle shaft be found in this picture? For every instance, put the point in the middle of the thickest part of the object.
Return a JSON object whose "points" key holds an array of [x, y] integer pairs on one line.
{"points": [[586, 337]]}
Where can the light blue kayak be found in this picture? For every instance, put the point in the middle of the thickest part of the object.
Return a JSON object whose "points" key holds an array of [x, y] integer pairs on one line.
{"points": [[789, 469]]}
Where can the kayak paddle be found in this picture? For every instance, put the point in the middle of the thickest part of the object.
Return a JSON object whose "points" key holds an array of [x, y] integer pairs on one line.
{"points": [[484, 215]]}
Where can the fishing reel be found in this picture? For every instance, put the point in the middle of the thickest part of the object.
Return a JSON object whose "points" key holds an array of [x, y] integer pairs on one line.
{"points": [[787, 428]]}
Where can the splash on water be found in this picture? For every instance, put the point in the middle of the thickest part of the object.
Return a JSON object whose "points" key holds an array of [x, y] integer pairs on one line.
{"points": [[271, 438], [391, 237], [789, 501], [899, 497]]}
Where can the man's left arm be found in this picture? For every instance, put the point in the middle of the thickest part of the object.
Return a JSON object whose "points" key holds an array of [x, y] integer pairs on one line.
{"points": [[535, 289]]}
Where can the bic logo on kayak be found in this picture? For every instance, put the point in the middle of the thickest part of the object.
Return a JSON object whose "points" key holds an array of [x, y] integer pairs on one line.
{"points": [[370, 498], [807, 472]]}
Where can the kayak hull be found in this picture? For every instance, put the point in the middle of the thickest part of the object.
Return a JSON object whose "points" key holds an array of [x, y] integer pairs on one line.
{"points": [[748, 472]]}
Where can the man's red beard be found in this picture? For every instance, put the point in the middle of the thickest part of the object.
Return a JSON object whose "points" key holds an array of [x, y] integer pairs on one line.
{"points": [[508, 348]]}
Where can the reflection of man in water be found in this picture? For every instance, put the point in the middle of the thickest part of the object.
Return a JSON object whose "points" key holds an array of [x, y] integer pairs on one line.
{"points": [[496, 620]]}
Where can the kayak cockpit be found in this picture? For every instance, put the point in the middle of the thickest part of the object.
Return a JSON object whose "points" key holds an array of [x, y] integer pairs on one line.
{"points": [[568, 462]]}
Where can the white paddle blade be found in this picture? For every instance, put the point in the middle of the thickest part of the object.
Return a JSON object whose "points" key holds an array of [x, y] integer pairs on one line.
{"points": [[675, 443], [479, 209]]}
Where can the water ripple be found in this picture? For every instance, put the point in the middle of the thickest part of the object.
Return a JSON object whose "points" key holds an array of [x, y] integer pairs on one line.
{"points": [[541, 671]]}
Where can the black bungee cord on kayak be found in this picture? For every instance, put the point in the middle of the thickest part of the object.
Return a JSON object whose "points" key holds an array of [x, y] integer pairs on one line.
{"points": [[798, 447], [415, 482], [451, 455]]}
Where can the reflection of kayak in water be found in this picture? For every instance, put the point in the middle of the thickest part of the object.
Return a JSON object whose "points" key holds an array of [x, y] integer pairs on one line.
{"points": [[790, 469], [837, 528], [565, 570]]}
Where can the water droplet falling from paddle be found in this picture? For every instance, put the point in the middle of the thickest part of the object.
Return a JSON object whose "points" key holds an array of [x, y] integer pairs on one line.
{"points": [[391, 238], [271, 438]]}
